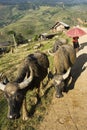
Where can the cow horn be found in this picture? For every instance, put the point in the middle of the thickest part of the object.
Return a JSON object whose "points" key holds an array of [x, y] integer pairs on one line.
{"points": [[26, 82], [65, 76], [2, 86], [1, 74], [50, 53]]}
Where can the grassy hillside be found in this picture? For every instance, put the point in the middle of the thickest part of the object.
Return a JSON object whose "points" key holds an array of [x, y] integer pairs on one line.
{"points": [[33, 22]]}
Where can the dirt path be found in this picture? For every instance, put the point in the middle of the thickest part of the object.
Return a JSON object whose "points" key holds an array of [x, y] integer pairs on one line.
{"points": [[70, 112]]}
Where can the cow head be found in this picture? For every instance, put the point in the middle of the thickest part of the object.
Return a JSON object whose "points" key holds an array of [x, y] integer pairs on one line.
{"points": [[59, 82], [14, 94], [58, 43]]}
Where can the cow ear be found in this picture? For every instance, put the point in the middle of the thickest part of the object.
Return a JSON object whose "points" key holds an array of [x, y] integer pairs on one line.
{"points": [[2, 86], [65, 76], [27, 81], [3, 78], [5, 81], [1, 74]]}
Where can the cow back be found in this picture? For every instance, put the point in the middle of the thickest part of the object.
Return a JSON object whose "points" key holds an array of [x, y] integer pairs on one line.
{"points": [[64, 58]]}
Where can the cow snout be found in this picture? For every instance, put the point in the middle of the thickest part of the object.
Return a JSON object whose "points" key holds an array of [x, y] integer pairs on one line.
{"points": [[15, 116]]}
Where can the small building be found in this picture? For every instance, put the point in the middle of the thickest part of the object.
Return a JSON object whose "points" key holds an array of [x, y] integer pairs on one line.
{"points": [[46, 36], [59, 26]]}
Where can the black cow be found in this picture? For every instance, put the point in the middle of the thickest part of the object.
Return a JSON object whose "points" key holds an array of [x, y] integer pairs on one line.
{"points": [[64, 58], [35, 68]]}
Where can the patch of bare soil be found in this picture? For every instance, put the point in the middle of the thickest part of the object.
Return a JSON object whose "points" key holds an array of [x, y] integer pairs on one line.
{"points": [[70, 112]]}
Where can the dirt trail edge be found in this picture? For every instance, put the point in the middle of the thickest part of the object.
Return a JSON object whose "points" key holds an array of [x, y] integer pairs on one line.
{"points": [[70, 112]]}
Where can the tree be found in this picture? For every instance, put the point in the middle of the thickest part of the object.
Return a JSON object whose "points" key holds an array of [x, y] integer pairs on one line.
{"points": [[17, 38], [20, 39], [13, 34]]}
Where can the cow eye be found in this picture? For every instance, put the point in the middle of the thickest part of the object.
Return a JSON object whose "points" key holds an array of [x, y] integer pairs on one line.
{"points": [[18, 96]]}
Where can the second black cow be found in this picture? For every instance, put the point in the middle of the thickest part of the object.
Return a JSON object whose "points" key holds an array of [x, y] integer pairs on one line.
{"points": [[64, 59]]}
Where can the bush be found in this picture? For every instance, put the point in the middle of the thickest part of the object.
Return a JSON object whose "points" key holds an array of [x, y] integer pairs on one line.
{"points": [[20, 39]]}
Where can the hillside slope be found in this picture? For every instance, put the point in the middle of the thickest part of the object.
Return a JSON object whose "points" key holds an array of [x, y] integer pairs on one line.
{"points": [[34, 22]]}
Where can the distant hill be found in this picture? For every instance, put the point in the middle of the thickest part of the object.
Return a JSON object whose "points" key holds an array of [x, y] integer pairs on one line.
{"points": [[43, 2], [32, 19], [34, 22]]}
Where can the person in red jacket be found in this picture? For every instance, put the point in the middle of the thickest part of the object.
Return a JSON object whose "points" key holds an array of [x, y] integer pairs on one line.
{"points": [[76, 43]]}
